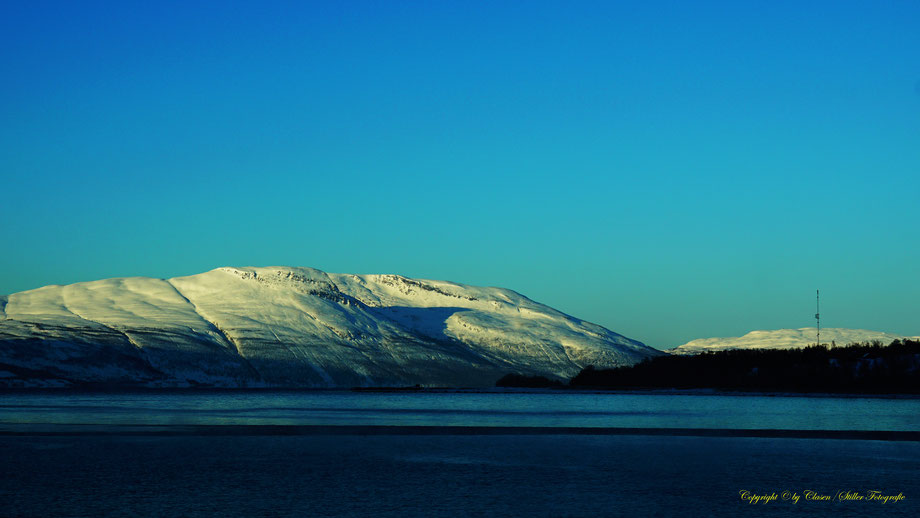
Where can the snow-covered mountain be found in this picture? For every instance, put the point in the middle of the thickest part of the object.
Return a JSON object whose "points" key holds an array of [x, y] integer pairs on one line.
{"points": [[292, 327], [784, 339]]}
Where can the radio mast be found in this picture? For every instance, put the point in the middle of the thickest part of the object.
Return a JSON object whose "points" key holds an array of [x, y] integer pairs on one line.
{"points": [[818, 313]]}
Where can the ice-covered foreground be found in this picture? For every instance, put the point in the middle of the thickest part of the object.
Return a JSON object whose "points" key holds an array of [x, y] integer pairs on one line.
{"points": [[292, 327], [785, 339]]}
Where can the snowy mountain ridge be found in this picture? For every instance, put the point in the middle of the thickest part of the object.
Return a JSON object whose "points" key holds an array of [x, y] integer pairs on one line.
{"points": [[785, 339], [291, 327]]}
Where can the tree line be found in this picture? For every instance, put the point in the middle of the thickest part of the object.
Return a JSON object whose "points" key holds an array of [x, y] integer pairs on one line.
{"points": [[855, 368]]}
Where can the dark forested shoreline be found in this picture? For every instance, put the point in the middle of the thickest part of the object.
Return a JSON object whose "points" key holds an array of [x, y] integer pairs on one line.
{"points": [[865, 368], [855, 368]]}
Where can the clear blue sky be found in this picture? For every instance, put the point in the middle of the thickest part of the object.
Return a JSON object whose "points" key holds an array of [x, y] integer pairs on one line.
{"points": [[670, 170]]}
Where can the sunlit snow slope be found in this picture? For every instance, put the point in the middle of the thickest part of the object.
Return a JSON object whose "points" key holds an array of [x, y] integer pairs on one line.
{"points": [[291, 327], [784, 339]]}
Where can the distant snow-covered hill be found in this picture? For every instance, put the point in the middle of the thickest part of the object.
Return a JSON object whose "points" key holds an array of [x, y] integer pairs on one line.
{"points": [[291, 327], [784, 339]]}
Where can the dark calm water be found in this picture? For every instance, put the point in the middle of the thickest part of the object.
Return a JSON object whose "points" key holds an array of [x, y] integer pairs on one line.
{"points": [[552, 408], [65, 455]]}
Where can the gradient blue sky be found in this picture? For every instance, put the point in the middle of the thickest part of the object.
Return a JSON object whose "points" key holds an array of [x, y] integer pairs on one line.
{"points": [[670, 170]]}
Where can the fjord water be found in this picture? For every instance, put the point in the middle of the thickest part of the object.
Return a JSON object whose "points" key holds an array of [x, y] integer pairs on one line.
{"points": [[459, 408], [52, 470]]}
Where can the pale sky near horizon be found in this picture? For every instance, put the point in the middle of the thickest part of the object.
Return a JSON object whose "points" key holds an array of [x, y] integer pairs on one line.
{"points": [[669, 170]]}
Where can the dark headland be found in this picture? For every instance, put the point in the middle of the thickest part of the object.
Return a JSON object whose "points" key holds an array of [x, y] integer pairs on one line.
{"points": [[866, 368]]}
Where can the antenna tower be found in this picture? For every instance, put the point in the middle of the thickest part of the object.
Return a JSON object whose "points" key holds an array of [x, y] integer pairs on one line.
{"points": [[818, 313]]}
